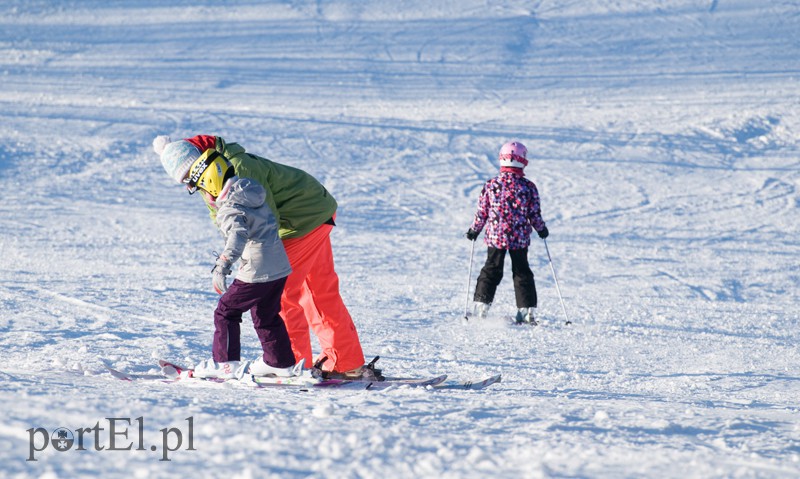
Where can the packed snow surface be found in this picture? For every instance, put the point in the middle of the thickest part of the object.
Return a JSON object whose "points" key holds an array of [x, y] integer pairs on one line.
{"points": [[663, 138]]}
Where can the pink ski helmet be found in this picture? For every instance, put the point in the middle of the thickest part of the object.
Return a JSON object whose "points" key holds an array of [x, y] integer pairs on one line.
{"points": [[514, 154]]}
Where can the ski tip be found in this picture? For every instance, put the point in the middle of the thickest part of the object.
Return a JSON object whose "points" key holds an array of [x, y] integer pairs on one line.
{"points": [[472, 385], [118, 374], [489, 381]]}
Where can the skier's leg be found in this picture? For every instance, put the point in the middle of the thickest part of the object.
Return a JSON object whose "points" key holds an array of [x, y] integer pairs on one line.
{"points": [[524, 285], [490, 276], [270, 328], [333, 324], [295, 302], [227, 324]]}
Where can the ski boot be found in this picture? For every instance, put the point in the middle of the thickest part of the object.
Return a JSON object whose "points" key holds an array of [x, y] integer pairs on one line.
{"points": [[222, 370], [367, 372], [260, 368], [481, 310], [526, 316]]}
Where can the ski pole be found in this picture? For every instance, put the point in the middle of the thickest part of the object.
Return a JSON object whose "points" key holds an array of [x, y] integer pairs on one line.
{"points": [[469, 279], [553, 269]]}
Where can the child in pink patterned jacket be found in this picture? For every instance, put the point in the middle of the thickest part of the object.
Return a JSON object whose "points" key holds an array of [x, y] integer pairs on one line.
{"points": [[509, 208]]}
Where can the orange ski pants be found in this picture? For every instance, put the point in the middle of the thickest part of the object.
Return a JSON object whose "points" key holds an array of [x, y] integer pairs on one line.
{"points": [[311, 299]]}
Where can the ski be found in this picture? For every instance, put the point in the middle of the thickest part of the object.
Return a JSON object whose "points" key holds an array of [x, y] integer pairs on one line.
{"points": [[177, 372], [470, 385], [134, 377], [118, 374], [372, 385], [172, 372]]}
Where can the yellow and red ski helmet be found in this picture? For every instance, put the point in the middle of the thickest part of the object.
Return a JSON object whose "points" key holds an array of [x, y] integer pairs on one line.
{"points": [[209, 173]]}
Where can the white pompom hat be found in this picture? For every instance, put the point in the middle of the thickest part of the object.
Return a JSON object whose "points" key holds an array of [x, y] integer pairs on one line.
{"points": [[176, 156]]}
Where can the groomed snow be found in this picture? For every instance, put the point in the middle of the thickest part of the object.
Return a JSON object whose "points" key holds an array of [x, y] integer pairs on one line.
{"points": [[664, 142]]}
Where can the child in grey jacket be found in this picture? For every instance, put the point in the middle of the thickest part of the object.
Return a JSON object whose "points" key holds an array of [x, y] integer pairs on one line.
{"points": [[251, 237]]}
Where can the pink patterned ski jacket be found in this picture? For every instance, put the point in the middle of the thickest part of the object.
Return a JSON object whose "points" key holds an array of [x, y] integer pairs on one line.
{"points": [[508, 207]]}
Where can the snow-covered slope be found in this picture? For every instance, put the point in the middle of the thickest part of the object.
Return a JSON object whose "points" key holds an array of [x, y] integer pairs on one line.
{"points": [[663, 138]]}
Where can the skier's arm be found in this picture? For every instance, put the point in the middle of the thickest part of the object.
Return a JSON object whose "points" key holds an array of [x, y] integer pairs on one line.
{"points": [[535, 213], [483, 211], [203, 142], [233, 226]]}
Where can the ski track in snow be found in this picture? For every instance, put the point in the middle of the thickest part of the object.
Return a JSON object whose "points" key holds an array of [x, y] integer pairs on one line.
{"points": [[663, 137]]}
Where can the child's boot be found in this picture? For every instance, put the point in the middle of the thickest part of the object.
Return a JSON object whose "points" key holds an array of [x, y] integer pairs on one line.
{"points": [[481, 310], [260, 368], [212, 369], [526, 316], [366, 372]]}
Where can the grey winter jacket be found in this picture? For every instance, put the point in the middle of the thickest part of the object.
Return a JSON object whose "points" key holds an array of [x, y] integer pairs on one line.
{"points": [[251, 232]]}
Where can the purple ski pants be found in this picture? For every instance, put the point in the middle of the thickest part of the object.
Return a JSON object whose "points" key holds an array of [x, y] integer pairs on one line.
{"points": [[263, 300]]}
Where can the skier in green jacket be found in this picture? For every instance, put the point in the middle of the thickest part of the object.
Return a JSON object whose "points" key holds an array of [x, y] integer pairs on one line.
{"points": [[305, 211]]}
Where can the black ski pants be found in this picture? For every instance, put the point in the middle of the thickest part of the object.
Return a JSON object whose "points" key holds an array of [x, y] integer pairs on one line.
{"points": [[492, 273]]}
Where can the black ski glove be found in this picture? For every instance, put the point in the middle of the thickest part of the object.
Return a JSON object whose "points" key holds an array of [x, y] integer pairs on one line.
{"points": [[472, 235], [544, 233]]}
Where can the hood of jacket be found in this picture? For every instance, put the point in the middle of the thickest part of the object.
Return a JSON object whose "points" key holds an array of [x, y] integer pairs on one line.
{"points": [[242, 191]]}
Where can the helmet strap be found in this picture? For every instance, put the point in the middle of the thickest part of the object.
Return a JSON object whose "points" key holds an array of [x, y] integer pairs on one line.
{"points": [[229, 174]]}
